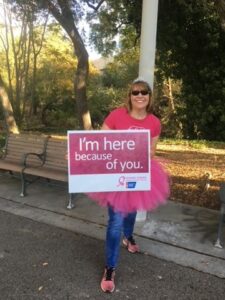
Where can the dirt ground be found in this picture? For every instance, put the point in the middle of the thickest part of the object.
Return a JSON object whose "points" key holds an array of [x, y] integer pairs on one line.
{"points": [[196, 175]]}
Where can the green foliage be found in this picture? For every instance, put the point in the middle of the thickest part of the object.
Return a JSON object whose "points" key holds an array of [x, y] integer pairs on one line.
{"points": [[54, 82], [112, 21], [2, 141], [56, 69], [122, 70], [191, 47], [109, 89], [101, 101], [190, 52]]}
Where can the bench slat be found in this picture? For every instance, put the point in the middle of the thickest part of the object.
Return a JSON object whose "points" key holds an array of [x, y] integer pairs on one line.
{"points": [[55, 165]]}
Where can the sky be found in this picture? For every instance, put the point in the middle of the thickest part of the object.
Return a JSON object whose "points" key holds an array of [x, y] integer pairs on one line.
{"points": [[84, 27], [92, 53]]}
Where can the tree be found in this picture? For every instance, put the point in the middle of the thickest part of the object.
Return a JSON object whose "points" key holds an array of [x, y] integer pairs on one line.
{"points": [[22, 37], [191, 45], [7, 109], [113, 19], [36, 50], [55, 75], [221, 10], [67, 13], [190, 49]]}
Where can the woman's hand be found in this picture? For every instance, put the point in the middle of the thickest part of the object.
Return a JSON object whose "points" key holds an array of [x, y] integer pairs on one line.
{"points": [[105, 127]]}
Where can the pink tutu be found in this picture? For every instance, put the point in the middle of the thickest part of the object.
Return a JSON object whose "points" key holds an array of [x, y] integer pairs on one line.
{"points": [[127, 201]]}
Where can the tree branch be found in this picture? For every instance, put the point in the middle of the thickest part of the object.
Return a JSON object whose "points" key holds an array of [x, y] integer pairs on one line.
{"points": [[95, 8]]}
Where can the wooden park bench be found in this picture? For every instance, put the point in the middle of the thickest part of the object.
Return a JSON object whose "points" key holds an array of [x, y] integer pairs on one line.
{"points": [[53, 165], [40, 156]]}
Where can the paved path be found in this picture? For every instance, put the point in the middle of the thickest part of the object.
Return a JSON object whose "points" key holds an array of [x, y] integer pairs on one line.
{"points": [[179, 233], [50, 252], [39, 261]]}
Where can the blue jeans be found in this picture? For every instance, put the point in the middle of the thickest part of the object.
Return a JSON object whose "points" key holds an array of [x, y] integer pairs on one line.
{"points": [[117, 223]]}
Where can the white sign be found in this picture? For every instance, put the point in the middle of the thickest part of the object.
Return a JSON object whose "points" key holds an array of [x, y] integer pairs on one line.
{"points": [[112, 160]]}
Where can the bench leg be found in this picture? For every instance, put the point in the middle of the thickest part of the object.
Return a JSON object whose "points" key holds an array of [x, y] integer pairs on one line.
{"points": [[70, 203], [23, 185], [221, 221], [48, 181]]}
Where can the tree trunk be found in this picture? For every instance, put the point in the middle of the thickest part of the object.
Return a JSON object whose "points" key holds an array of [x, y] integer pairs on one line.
{"points": [[66, 19], [6, 47], [171, 100], [80, 87], [7, 109], [221, 10], [36, 51]]}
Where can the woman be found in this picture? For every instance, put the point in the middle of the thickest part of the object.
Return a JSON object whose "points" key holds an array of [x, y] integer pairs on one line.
{"points": [[123, 206]]}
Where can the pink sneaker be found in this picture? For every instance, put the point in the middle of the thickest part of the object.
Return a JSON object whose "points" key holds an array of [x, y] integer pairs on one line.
{"points": [[131, 245], [107, 283]]}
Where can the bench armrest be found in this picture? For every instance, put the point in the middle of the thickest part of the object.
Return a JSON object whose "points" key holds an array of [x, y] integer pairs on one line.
{"points": [[41, 157], [2, 152]]}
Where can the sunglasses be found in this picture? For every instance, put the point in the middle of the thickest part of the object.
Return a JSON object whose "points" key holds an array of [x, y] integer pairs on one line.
{"points": [[143, 93]]}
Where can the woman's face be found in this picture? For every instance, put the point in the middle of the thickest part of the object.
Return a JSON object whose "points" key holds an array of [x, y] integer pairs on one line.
{"points": [[139, 97]]}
